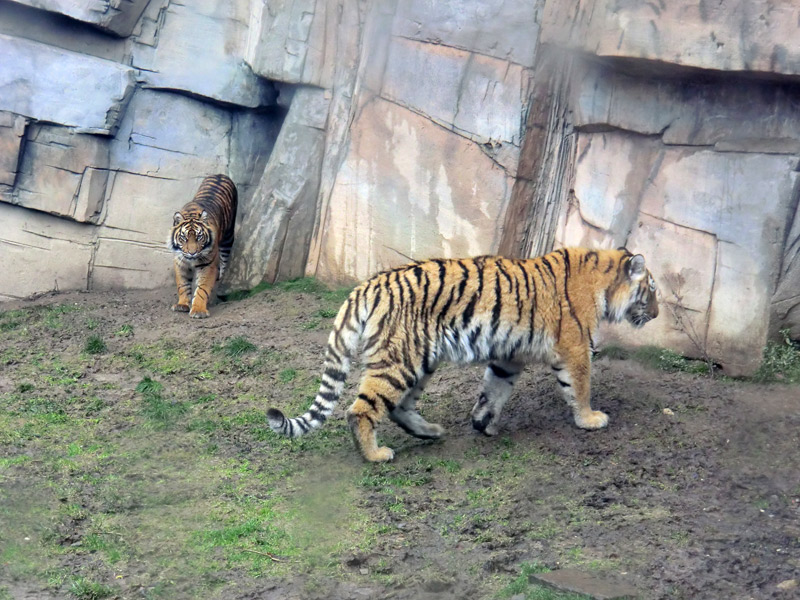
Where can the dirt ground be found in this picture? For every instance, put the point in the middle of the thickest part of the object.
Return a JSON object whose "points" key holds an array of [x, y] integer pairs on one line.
{"points": [[142, 467]]}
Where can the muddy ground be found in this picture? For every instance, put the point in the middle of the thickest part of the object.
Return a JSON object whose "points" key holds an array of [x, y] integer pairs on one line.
{"points": [[135, 462]]}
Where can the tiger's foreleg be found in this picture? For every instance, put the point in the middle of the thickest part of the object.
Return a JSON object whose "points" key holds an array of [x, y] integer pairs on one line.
{"points": [[498, 383], [573, 374], [183, 279], [206, 279], [406, 416], [380, 392]]}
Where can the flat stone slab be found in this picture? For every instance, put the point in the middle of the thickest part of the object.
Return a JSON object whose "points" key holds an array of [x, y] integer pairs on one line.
{"points": [[581, 582]]}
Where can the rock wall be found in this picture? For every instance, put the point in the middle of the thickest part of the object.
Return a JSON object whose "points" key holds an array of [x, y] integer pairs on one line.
{"points": [[362, 133], [103, 137]]}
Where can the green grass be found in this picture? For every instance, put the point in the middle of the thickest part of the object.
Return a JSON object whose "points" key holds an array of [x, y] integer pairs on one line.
{"points": [[236, 346], [161, 412], [287, 375], [781, 361], [124, 331], [95, 345], [85, 589], [304, 285], [534, 591]]}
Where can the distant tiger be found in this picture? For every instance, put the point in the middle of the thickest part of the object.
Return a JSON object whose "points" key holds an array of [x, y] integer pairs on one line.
{"points": [[503, 311], [201, 238]]}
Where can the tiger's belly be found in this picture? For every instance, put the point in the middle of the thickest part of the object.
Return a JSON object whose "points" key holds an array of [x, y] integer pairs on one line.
{"points": [[506, 344]]}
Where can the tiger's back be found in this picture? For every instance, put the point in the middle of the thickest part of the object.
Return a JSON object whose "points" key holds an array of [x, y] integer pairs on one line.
{"points": [[506, 312], [201, 238]]}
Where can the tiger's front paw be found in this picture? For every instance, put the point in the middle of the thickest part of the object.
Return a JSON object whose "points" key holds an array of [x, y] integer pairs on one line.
{"points": [[180, 307], [382, 454], [593, 420], [199, 314]]}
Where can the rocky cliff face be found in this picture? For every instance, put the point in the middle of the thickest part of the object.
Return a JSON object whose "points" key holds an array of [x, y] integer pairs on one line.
{"points": [[363, 133]]}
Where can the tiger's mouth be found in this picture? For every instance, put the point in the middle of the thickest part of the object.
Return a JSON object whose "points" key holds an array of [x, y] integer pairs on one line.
{"points": [[639, 319]]}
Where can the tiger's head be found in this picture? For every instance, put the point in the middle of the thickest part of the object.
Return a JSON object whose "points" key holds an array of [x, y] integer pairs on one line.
{"points": [[633, 295], [192, 236]]}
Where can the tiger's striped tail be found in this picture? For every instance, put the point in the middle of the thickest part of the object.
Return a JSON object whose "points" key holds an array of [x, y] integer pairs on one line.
{"points": [[342, 344]]}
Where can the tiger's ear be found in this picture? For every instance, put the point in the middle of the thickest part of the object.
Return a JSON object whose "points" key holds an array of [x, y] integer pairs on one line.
{"points": [[177, 218], [204, 217], [636, 268]]}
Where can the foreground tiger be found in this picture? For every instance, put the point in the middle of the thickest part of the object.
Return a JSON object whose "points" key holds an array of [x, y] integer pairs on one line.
{"points": [[505, 311], [201, 238]]}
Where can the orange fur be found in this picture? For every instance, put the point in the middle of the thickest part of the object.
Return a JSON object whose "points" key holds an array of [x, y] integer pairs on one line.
{"points": [[506, 312], [201, 238]]}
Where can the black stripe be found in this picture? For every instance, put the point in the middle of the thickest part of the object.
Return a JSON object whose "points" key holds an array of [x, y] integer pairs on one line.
{"points": [[400, 304], [567, 274], [393, 381], [301, 421], [426, 282], [497, 306], [549, 267], [368, 400], [473, 337], [412, 296], [463, 284], [443, 313], [499, 371], [388, 403], [562, 383], [327, 396], [335, 374], [376, 300], [442, 273], [317, 416], [502, 270]]}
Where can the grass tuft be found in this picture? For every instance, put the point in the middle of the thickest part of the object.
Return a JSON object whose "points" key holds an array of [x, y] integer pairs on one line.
{"points": [[124, 331], [237, 346], [521, 586], [667, 360], [95, 345], [781, 361], [160, 411], [84, 589]]}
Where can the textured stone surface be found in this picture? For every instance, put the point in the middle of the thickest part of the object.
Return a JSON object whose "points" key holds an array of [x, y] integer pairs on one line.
{"points": [[477, 96], [62, 172], [785, 309], [122, 264], [41, 253], [64, 87], [427, 207], [201, 48], [730, 116], [504, 29], [12, 129], [116, 16], [729, 35], [275, 225], [295, 40], [711, 225]]}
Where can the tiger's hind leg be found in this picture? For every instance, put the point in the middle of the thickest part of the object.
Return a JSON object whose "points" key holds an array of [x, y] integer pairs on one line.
{"points": [[498, 382], [573, 374], [406, 416], [380, 392]]}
